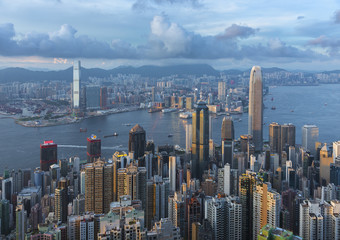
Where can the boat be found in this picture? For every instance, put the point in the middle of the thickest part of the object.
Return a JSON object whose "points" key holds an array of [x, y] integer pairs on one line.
{"points": [[168, 110], [127, 124], [83, 130], [152, 110], [273, 108], [240, 119], [112, 135], [291, 110], [170, 135], [185, 115]]}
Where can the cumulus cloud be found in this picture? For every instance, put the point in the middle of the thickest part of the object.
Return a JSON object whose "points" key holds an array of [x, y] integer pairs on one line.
{"points": [[166, 40], [337, 16], [237, 31], [331, 45]]}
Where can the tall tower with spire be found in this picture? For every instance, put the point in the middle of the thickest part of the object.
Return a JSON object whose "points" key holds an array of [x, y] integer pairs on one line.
{"points": [[255, 120]]}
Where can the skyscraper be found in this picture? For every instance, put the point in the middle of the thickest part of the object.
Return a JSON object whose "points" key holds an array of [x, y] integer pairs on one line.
{"points": [[137, 141], [255, 120], [98, 187], [310, 134], [222, 87], [200, 139], [266, 207], [93, 148], [48, 155], [336, 149], [188, 137], [172, 172], [103, 97], [247, 184], [227, 129], [61, 200], [76, 84], [275, 138], [287, 136], [93, 97], [227, 136], [21, 222]]}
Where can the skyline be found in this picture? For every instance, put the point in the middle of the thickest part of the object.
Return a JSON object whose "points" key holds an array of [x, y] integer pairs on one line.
{"points": [[153, 32]]}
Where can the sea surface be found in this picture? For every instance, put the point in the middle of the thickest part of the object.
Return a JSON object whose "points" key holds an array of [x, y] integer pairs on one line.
{"points": [[319, 105]]}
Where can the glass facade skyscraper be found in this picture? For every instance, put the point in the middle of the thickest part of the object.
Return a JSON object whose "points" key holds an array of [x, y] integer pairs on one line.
{"points": [[200, 140], [255, 120]]}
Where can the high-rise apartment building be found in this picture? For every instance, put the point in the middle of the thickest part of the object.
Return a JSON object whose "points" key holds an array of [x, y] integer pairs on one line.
{"points": [[266, 207], [76, 85], [21, 222], [319, 220], [200, 140], [255, 119], [61, 201], [246, 190], [98, 187], [93, 148], [5, 217], [336, 150], [225, 217], [131, 181], [222, 89], [137, 141], [176, 211], [48, 155], [310, 135], [157, 193], [325, 162]]}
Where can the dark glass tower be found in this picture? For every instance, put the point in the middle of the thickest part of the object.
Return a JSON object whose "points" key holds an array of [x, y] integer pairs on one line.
{"points": [[93, 148], [227, 130], [200, 140], [48, 155], [137, 141], [287, 136], [227, 136]]}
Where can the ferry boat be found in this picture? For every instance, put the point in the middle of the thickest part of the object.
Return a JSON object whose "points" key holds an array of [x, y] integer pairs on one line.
{"points": [[185, 115], [152, 110], [167, 110]]}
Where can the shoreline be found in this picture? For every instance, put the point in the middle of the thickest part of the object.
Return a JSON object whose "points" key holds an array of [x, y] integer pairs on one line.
{"points": [[30, 124]]}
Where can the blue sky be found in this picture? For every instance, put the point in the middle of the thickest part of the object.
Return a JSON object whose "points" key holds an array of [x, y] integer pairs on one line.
{"points": [[50, 34]]}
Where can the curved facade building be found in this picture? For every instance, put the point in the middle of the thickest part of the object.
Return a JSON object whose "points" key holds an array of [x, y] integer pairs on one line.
{"points": [[255, 120]]}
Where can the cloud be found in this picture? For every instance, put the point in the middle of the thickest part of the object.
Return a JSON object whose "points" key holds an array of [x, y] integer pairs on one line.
{"points": [[331, 45], [150, 4], [237, 31], [337, 16], [300, 17], [166, 40]]}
